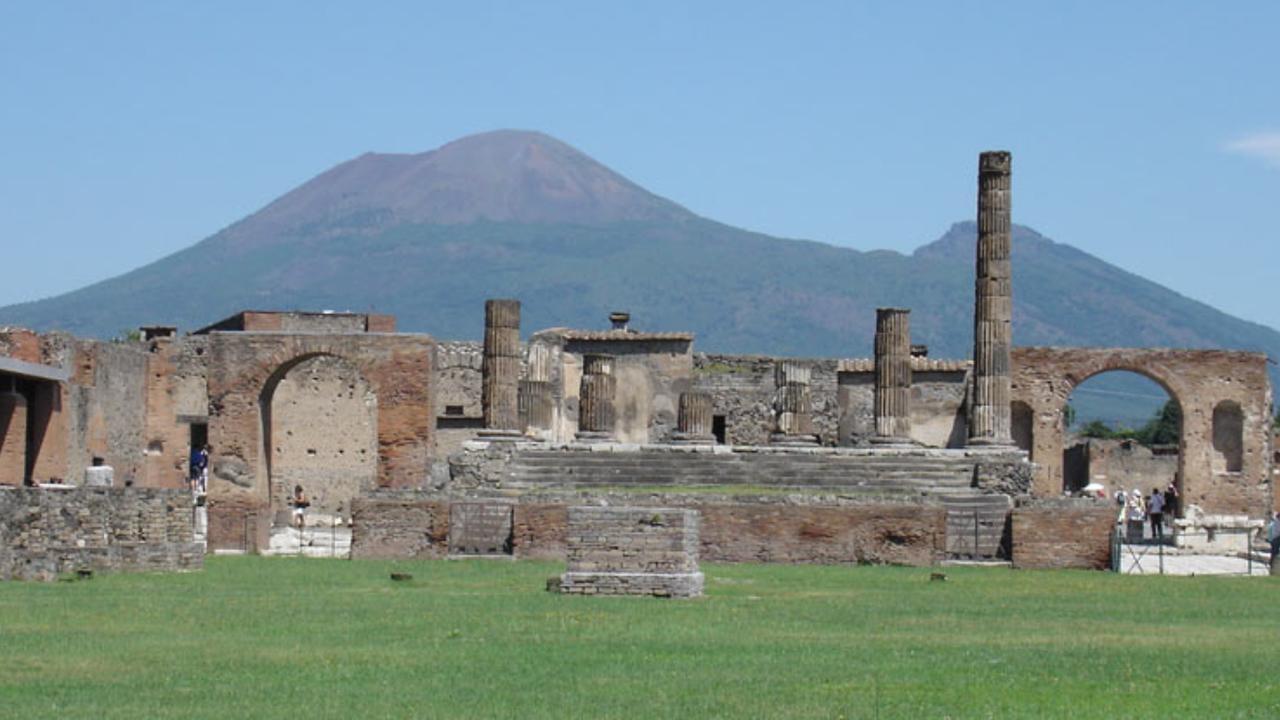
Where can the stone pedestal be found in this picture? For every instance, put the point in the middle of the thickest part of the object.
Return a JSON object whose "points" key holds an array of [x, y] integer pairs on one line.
{"points": [[13, 438], [693, 421], [632, 551], [99, 476], [595, 399], [500, 369], [989, 422], [892, 406], [792, 405]]}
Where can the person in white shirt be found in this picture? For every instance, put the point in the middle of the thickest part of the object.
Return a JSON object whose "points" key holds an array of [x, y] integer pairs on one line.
{"points": [[1155, 511]]}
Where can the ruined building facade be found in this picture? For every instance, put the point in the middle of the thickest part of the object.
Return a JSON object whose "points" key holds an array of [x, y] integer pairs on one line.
{"points": [[421, 445]]}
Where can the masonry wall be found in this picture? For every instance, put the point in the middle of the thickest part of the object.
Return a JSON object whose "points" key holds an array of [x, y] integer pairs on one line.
{"points": [[244, 368], [1063, 534], [937, 407], [44, 533], [400, 524], [1201, 381], [742, 389], [414, 525], [1120, 465], [324, 421], [457, 385], [650, 374]]}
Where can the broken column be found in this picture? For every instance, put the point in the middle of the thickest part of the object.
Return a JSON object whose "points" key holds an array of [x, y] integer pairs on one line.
{"points": [[595, 399], [13, 435], [989, 422], [792, 405], [693, 419], [893, 377], [535, 402], [500, 368]]}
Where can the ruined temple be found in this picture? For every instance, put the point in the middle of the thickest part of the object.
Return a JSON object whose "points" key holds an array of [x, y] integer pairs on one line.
{"points": [[411, 446]]}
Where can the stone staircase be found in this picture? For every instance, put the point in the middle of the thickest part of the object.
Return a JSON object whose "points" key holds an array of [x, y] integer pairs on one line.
{"points": [[845, 474]]}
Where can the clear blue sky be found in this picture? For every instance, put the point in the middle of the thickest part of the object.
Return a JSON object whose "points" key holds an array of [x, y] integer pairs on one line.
{"points": [[1145, 133]]}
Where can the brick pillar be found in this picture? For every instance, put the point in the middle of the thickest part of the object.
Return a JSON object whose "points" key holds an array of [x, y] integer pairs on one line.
{"points": [[792, 405], [595, 399], [989, 422], [693, 423], [500, 369], [13, 438], [893, 377]]}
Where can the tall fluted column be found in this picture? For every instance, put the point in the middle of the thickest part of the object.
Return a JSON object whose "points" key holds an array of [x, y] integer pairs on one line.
{"points": [[595, 398], [993, 304], [500, 368], [893, 377], [792, 405], [693, 421], [535, 402]]}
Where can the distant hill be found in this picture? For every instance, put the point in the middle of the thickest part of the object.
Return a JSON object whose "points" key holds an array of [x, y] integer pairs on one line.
{"points": [[428, 237]]}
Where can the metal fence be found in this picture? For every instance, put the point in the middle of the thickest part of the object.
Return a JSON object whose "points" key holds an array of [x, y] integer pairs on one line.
{"points": [[1237, 553]]}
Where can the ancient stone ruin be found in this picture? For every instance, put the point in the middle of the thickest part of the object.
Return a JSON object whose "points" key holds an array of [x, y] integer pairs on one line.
{"points": [[410, 446], [632, 551]]}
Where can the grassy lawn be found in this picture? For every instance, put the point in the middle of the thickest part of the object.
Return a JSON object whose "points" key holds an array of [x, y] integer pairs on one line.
{"points": [[294, 638]]}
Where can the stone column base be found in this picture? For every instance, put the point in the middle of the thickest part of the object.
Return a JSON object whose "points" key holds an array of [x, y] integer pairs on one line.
{"points": [[786, 440], [679, 438], [593, 436]]}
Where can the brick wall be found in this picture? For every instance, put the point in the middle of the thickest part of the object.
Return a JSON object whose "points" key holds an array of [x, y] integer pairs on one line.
{"points": [[399, 525], [44, 533], [410, 525], [1063, 534], [632, 551]]}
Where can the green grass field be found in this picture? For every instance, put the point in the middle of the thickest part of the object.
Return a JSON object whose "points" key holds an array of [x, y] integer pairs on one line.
{"points": [[295, 638]]}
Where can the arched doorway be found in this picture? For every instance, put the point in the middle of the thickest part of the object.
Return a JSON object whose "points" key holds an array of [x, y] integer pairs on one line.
{"points": [[319, 430], [1122, 431]]}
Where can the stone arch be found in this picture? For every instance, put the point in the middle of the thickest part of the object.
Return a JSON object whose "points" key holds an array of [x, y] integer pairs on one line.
{"points": [[318, 430], [245, 368], [1228, 437], [1137, 368], [1198, 380]]}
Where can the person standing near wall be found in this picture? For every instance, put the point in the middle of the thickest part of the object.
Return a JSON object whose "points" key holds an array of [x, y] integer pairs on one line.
{"points": [[1155, 511], [300, 505], [1273, 537], [1171, 498]]}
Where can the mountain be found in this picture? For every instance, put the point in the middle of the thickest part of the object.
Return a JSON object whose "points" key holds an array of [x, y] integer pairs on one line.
{"points": [[429, 236]]}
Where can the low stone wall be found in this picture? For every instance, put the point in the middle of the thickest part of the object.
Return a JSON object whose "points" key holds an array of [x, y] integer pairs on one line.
{"points": [[399, 525], [632, 551], [1063, 534], [48, 532], [768, 530], [238, 523], [864, 534]]}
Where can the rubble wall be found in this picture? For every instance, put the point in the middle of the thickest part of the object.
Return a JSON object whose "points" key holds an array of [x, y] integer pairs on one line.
{"points": [[46, 532]]}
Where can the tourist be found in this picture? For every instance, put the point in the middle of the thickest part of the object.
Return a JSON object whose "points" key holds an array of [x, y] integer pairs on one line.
{"points": [[1171, 499], [300, 505], [198, 468], [1273, 537], [1155, 510], [204, 468], [1137, 515]]}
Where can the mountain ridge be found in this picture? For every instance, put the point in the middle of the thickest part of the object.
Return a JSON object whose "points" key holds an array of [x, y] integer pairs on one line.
{"points": [[429, 236]]}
